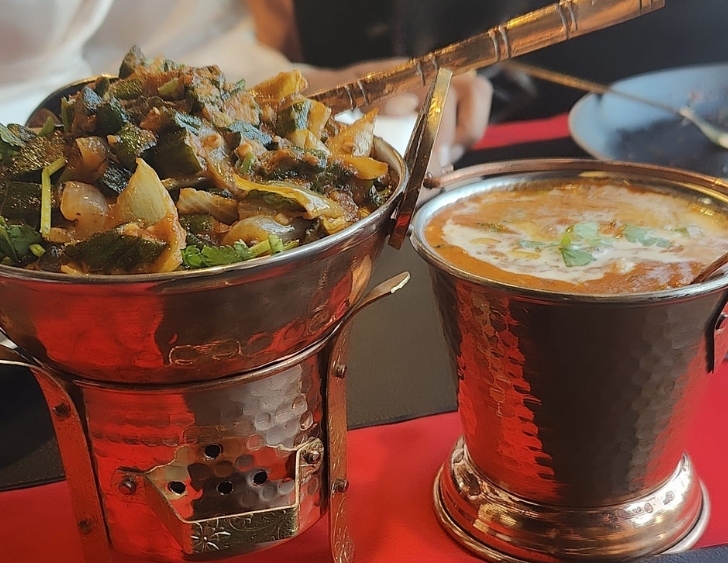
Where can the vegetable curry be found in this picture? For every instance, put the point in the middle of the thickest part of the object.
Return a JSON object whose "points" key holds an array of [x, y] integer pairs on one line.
{"points": [[172, 167], [588, 237]]}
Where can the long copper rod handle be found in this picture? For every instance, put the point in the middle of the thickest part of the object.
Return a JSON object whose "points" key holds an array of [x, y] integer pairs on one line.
{"points": [[523, 34]]}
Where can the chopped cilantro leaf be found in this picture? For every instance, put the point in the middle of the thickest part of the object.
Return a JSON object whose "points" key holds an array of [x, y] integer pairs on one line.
{"points": [[534, 244], [689, 232], [589, 230], [16, 240], [575, 257], [195, 257], [641, 235]]}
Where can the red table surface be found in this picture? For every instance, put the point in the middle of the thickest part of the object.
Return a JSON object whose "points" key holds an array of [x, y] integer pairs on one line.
{"points": [[391, 471]]}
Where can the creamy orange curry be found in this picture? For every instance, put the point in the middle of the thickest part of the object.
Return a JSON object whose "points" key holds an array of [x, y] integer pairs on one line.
{"points": [[597, 238]]}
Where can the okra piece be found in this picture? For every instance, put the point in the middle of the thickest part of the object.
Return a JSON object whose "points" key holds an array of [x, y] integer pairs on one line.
{"points": [[111, 251], [111, 117], [134, 59], [176, 154], [130, 143], [35, 155], [114, 178], [20, 201], [127, 89], [239, 131], [293, 117]]}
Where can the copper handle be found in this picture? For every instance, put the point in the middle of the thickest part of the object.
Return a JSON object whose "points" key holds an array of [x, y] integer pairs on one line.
{"points": [[532, 31], [342, 546], [75, 455]]}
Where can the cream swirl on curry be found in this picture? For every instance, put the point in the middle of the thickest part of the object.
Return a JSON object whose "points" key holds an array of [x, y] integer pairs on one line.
{"points": [[597, 237]]}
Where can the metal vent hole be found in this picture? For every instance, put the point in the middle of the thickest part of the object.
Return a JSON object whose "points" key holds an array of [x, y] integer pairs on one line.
{"points": [[177, 487], [225, 488], [260, 477], [213, 451]]}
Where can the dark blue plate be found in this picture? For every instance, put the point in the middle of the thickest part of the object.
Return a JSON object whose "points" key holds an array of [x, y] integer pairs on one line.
{"points": [[613, 128]]}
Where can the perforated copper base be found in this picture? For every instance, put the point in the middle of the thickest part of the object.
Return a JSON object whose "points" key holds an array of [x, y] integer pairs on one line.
{"points": [[502, 528]]}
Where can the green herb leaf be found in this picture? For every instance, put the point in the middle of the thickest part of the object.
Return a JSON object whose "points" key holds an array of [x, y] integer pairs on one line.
{"points": [[534, 244], [194, 257], [588, 230], [276, 244], [689, 231], [575, 257], [16, 241], [10, 143], [641, 235]]}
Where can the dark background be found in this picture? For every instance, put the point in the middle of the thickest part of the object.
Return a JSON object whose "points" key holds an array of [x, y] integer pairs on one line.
{"points": [[684, 32]]}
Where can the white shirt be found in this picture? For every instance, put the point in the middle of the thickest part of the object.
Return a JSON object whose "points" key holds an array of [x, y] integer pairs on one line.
{"points": [[45, 44]]}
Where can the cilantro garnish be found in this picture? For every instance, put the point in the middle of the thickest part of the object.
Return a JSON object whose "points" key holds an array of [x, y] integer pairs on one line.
{"points": [[641, 235], [588, 231], [10, 143], [575, 257], [689, 231], [534, 244], [206, 256], [579, 241], [16, 241]]}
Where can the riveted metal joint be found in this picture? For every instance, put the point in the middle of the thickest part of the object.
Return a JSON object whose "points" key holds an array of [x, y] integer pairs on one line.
{"points": [[127, 486], [61, 411], [340, 485], [340, 371], [312, 455], [85, 526]]}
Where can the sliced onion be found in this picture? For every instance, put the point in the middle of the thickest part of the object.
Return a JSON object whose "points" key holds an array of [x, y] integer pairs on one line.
{"points": [[253, 230], [198, 201], [86, 206]]}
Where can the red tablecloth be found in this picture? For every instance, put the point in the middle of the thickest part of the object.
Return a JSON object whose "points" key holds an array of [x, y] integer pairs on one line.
{"points": [[391, 469], [514, 132]]}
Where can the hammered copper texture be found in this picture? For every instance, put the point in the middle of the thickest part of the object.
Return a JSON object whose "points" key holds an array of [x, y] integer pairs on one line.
{"points": [[575, 404], [253, 428]]}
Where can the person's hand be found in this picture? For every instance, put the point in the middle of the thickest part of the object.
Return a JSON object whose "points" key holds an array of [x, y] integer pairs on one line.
{"points": [[467, 108]]}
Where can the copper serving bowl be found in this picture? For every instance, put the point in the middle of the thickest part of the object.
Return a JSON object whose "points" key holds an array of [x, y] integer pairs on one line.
{"points": [[196, 325]]}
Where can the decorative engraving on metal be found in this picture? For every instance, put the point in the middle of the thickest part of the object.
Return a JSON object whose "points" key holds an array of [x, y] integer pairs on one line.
{"points": [[167, 492]]}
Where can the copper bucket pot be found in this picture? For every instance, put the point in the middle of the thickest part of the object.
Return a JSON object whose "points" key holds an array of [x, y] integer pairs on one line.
{"points": [[574, 407]]}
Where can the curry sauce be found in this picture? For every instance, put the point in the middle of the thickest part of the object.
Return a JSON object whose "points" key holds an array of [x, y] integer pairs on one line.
{"points": [[595, 238]]}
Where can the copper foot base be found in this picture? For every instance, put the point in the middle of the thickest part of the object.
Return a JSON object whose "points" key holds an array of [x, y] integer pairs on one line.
{"points": [[502, 528]]}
